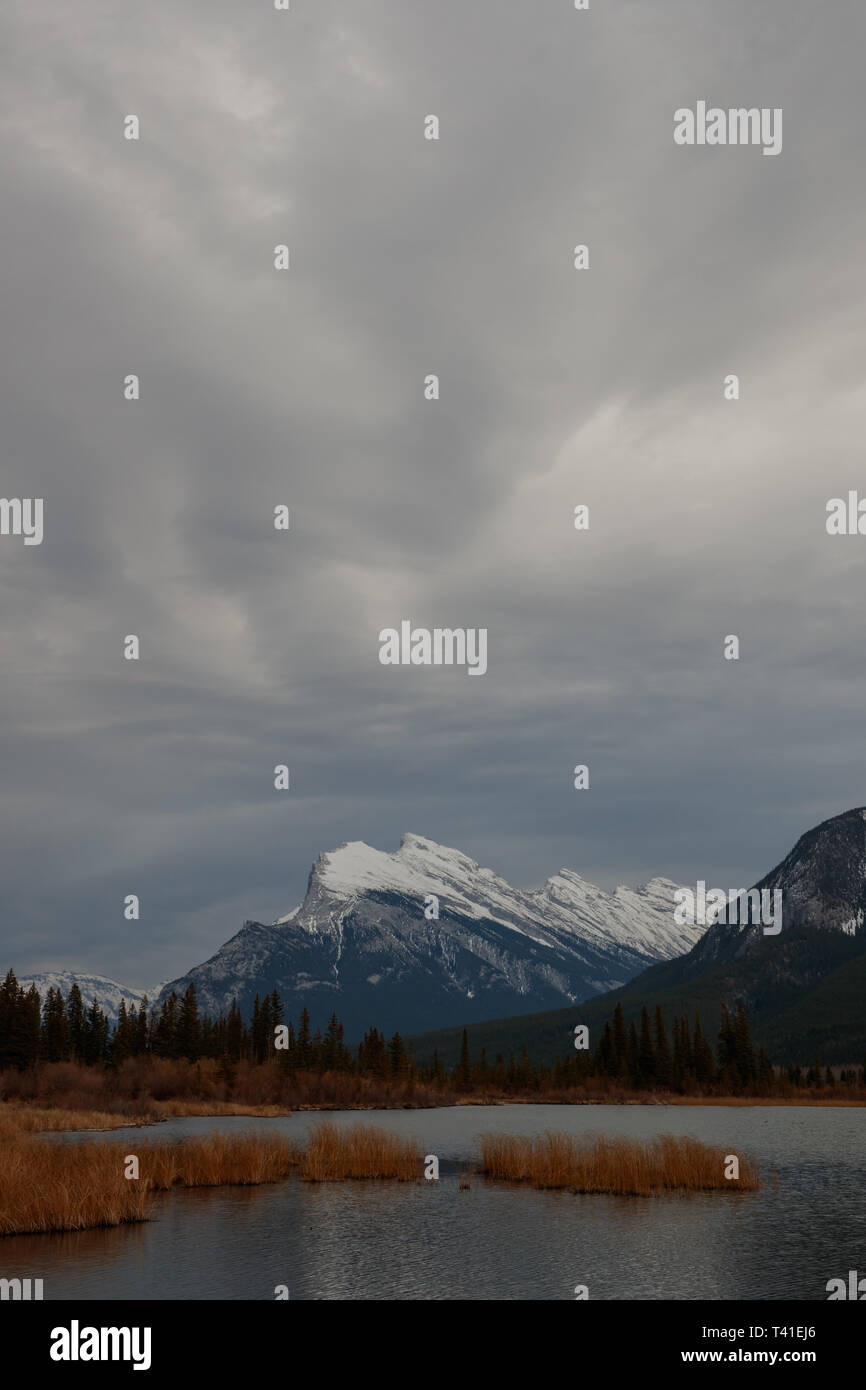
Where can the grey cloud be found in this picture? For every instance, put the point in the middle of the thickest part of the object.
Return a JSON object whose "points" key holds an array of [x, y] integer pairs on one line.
{"points": [[557, 388]]}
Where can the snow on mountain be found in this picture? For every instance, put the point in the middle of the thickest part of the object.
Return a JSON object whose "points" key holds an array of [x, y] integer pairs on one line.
{"points": [[361, 944], [822, 883], [108, 992], [642, 917]]}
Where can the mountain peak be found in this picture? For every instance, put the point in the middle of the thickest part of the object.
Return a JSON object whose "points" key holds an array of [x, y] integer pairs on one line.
{"points": [[423, 935]]}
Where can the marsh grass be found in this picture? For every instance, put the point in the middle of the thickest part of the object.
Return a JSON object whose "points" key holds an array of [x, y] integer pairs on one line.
{"points": [[31, 1119], [364, 1151], [64, 1187], [628, 1167], [74, 1187], [46, 1186]]}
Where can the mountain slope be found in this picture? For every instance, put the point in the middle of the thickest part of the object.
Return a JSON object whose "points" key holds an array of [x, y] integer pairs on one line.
{"points": [[804, 989], [108, 992], [360, 943]]}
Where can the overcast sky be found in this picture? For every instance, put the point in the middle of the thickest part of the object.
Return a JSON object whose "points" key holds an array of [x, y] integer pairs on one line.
{"points": [[558, 387]]}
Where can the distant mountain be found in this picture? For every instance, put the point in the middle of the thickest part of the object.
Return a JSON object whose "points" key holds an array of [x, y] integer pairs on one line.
{"points": [[804, 989], [360, 943], [108, 992]]}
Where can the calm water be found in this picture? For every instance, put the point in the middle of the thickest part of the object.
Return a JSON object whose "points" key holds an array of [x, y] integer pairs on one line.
{"points": [[432, 1241]]}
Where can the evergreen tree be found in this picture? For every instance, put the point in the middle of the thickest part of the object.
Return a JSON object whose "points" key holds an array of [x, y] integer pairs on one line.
{"points": [[305, 1042], [20, 1024], [397, 1056], [662, 1052], [604, 1059], [142, 1029], [96, 1034], [332, 1048], [55, 1029], [189, 1028], [727, 1051], [688, 1050], [620, 1043], [76, 1022], [633, 1055], [464, 1070], [677, 1067], [646, 1052], [765, 1070], [744, 1052], [705, 1066], [124, 1034], [234, 1032], [165, 1034]]}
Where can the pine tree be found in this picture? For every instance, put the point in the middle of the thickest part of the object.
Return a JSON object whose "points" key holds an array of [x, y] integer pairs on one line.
{"points": [[397, 1056], [646, 1052], [124, 1034], [604, 1060], [744, 1051], [96, 1032], [727, 1051], [620, 1043], [705, 1066], [662, 1052], [55, 1029], [165, 1038], [234, 1033], [677, 1068], [189, 1028], [464, 1071], [256, 1029], [26, 1027], [142, 1029], [688, 1050], [766, 1076], [76, 1022], [305, 1042], [633, 1055]]}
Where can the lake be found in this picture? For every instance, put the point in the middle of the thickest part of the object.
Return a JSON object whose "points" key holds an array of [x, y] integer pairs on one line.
{"points": [[369, 1240]]}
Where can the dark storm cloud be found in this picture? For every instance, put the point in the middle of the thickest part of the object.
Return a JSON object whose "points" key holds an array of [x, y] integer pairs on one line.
{"points": [[411, 257]]}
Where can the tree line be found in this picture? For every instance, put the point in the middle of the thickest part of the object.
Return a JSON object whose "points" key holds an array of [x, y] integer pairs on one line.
{"points": [[627, 1057]]}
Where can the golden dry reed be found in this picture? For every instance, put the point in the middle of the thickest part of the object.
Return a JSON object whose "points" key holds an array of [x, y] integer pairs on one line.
{"points": [[364, 1151], [47, 1186], [64, 1187], [33, 1120], [628, 1167], [236, 1160], [73, 1187]]}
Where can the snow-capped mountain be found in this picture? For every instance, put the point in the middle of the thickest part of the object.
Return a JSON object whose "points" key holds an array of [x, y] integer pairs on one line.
{"points": [[822, 883], [360, 943], [108, 992], [803, 987]]}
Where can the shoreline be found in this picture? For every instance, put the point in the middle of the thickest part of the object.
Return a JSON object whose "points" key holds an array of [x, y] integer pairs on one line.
{"points": [[38, 1119]]}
